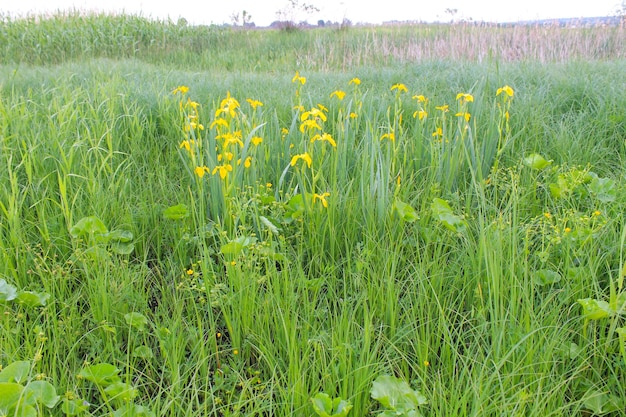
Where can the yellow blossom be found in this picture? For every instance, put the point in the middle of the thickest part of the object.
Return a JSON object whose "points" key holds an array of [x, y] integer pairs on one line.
{"points": [[597, 213], [190, 271], [187, 144], [465, 115], [506, 90], [193, 104], [421, 114], [225, 156], [182, 89], [247, 162], [313, 113], [443, 108], [200, 171], [232, 138], [355, 81], [322, 107], [324, 137], [464, 98], [547, 215], [353, 115], [304, 156], [309, 124], [438, 132], [219, 122], [339, 94], [256, 140], [298, 78], [284, 131], [299, 107], [420, 98], [228, 105], [321, 198], [391, 136], [223, 170], [400, 87], [254, 103]]}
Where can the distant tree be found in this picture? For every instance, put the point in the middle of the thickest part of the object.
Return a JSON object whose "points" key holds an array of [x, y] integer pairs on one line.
{"points": [[292, 11]]}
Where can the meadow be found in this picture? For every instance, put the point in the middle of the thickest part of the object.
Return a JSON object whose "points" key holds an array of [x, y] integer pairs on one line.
{"points": [[418, 220]]}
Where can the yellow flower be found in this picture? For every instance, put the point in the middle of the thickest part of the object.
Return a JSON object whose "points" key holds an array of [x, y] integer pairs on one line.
{"points": [[597, 213], [567, 229], [464, 98], [353, 115], [400, 87], [256, 140], [190, 271], [547, 215], [391, 136], [420, 99], [421, 114], [193, 104], [219, 122], [304, 156], [438, 132], [187, 144], [309, 124], [322, 107], [506, 90], [182, 89], [314, 113], [247, 162], [466, 115], [321, 198], [223, 170], [225, 156], [200, 171], [355, 81], [325, 137], [254, 103], [284, 131], [339, 94], [228, 105], [443, 108], [299, 107], [298, 78], [232, 138]]}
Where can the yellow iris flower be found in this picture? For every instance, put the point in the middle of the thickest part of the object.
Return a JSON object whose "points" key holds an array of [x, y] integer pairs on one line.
{"points": [[304, 156], [506, 90], [321, 198]]}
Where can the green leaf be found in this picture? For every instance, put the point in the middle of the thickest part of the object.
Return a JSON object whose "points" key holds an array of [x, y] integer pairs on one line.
{"points": [[602, 402], [404, 211], [103, 374], [74, 407], [143, 352], [177, 212], [324, 406], [133, 410], [90, 228], [443, 212], [122, 236], [10, 393], [7, 291], [236, 246], [136, 320], [33, 299], [16, 372], [546, 277], [396, 394], [536, 161], [41, 392], [604, 189], [122, 248], [595, 309], [121, 392]]}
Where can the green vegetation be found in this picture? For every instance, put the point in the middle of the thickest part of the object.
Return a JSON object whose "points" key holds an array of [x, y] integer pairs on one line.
{"points": [[412, 225]]}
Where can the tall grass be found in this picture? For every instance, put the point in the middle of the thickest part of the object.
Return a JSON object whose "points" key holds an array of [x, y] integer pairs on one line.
{"points": [[256, 296]]}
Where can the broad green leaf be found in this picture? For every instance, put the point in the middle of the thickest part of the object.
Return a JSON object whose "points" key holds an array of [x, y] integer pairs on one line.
{"points": [[295, 206], [15, 372], [33, 299], [10, 393], [133, 410], [604, 189], [90, 228], [121, 391], [122, 248], [269, 225], [102, 374], [404, 211], [136, 320], [546, 277], [324, 406], [7, 291], [41, 392], [177, 212], [396, 394], [235, 246], [595, 309], [143, 352], [536, 161], [122, 236], [74, 406], [443, 212], [602, 402]]}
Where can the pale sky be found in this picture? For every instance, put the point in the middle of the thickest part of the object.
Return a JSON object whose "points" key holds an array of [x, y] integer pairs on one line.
{"points": [[264, 11]]}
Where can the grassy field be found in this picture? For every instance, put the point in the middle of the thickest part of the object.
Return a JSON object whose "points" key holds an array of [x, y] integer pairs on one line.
{"points": [[394, 221]]}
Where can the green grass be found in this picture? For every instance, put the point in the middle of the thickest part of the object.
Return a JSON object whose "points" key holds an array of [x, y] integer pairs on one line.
{"points": [[432, 262]]}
